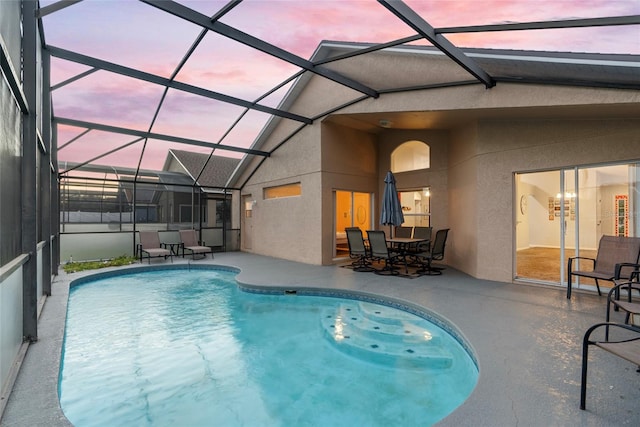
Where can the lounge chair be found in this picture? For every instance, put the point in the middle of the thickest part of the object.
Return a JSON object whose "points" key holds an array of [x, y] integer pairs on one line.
{"points": [[151, 247], [433, 253], [191, 243], [616, 259], [357, 250], [626, 346], [380, 250]]}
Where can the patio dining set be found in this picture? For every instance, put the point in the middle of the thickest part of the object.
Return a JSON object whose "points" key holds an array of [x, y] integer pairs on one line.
{"points": [[407, 247]]}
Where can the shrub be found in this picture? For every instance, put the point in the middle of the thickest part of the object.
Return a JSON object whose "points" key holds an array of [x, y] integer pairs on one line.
{"points": [[73, 267]]}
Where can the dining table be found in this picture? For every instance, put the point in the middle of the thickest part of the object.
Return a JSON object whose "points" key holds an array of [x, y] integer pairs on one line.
{"points": [[402, 245]]}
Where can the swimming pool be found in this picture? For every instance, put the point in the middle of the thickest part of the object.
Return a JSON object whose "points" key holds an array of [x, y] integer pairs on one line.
{"points": [[189, 348]]}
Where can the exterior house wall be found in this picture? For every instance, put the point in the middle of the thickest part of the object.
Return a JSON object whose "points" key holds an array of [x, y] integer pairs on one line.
{"points": [[435, 177], [462, 241], [349, 162], [289, 227], [474, 156], [505, 147]]}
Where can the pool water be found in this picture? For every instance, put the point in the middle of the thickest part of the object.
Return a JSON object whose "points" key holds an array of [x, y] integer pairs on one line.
{"points": [[188, 348]]}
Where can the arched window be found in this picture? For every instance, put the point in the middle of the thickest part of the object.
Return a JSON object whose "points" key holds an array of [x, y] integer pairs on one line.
{"points": [[409, 156]]}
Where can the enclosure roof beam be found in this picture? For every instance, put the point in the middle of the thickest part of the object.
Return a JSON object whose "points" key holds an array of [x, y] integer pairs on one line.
{"points": [[415, 21], [152, 78], [204, 21], [152, 135]]}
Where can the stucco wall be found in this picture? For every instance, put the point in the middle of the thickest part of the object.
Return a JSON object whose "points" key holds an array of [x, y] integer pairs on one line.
{"points": [[509, 146], [462, 241], [349, 162], [289, 227], [436, 177], [479, 138]]}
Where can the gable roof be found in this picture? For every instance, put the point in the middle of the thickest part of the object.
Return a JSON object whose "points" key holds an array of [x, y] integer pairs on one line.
{"points": [[217, 169]]}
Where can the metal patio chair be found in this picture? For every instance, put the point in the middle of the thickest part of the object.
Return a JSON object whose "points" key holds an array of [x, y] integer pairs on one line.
{"points": [[358, 251]]}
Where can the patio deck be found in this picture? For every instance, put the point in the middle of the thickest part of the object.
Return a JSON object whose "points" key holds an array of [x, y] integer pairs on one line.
{"points": [[527, 338]]}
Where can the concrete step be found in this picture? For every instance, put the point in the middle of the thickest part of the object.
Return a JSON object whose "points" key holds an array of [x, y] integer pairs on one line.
{"points": [[384, 335]]}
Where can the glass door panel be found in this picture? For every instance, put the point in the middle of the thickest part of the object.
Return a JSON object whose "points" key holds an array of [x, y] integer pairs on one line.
{"points": [[352, 209], [606, 196], [538, 226], [564, 213]]}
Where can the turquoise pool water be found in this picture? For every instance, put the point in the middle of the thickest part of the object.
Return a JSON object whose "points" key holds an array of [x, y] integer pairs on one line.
{"points": [[188, 348]]}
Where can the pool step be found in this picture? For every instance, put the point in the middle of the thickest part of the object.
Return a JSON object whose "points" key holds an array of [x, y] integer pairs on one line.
{"points": [[384, 335]]}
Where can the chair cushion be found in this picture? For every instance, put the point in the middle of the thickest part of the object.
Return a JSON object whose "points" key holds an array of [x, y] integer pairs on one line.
{"points": [[198, 249], [157, 252]]}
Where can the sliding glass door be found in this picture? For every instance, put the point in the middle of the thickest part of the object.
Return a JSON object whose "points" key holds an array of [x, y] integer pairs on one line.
{"points": [[563, 213], [352, 209]]}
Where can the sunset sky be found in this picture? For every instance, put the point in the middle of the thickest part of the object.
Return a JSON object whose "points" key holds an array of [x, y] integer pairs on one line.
{"points": [[137, 35]]}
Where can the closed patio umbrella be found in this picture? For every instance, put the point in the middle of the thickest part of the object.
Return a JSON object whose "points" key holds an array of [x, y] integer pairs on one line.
{"points": [[391, 209]]}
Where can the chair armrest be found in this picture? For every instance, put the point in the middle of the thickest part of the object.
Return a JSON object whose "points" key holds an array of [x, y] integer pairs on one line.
{"points": [[587, 334], [622, 265], [614, 292], [593, 261]]}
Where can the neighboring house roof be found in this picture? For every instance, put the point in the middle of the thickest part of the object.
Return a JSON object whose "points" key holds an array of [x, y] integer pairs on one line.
{"points": [[217, 169]]}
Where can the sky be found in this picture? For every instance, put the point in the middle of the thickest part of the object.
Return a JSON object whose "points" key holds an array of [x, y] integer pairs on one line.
{"points": [[137, 35]]}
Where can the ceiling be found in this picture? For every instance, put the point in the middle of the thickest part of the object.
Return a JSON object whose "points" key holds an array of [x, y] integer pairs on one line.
{"points": [[443, 120]]}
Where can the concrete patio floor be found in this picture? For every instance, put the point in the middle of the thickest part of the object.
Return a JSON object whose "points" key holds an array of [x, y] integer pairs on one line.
{"points": [[527, 339]]}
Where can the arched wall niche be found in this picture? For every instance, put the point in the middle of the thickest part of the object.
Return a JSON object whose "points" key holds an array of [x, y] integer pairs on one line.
{"points": [[409, 156]]}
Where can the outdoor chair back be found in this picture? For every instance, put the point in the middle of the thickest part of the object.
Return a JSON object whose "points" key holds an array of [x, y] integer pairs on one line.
{"points": [[436, 253], [149, 240], [403, 232], [190, 243], [617, 258], [381, 251], [358, 250], [150, 246]]}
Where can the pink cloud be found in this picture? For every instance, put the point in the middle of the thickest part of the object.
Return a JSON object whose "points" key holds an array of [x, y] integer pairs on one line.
{"points": [[140, 36]]}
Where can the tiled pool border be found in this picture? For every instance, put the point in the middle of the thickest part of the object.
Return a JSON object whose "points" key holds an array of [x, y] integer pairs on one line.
{"points": [[406, 306]]}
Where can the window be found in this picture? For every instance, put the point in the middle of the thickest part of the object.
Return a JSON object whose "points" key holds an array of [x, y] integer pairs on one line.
{"points": [[287, 190], [416, 207], [411, 155]]}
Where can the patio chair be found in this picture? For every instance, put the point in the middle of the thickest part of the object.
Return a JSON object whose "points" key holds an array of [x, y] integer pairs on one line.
{"points": [[626, 346], [628, 305], [616, 258], [379, 250], [434, 253], [151, 246], [404, 232], [191, 243], [358, 250], [421, 233]]}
